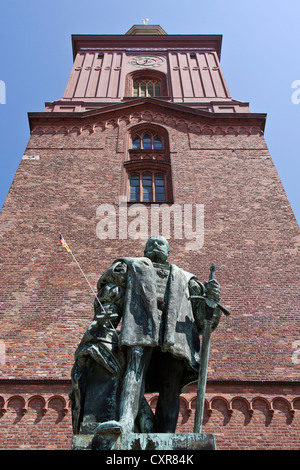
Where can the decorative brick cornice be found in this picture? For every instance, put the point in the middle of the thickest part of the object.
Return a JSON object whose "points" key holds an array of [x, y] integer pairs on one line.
{"points": [[188, 402], [148, 110], [25, 403], [196, 127]]}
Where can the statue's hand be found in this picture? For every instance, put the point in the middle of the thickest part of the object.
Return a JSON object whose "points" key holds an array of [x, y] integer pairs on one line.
{"points": [[213, 290]]}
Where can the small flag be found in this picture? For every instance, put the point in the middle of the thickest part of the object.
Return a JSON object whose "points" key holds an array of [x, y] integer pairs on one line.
{"points": [[63, 242]]}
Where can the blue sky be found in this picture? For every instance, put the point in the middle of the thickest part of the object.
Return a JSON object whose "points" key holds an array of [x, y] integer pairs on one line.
{"points": [[260, 60]]}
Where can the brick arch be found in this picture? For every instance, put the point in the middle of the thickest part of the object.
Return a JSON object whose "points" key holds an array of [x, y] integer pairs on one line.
{"points": [[279, 400], [64, 406], [18, 403], [242, 400], [2, 404], [36, 406], [264, 406], [207, 405], [220, 398], [38, 398], [296, 404], [264, 401], [285, 407], [242, 405], [185, 409], [221, 405]]}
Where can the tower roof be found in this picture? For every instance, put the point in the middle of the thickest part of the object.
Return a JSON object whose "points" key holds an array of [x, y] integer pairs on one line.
{"points": [[142, 29]]}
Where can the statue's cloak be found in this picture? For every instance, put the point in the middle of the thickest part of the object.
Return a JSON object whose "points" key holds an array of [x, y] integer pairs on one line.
{"points": [[140, 316]]}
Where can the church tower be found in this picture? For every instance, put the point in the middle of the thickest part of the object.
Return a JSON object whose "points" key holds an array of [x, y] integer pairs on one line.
{"points": [[147, 138]]}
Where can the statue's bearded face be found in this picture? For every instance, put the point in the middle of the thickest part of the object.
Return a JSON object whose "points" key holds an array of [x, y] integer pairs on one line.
{"points": [[157, 249]]}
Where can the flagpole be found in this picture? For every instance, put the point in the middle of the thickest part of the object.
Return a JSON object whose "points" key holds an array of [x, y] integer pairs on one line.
{"points": [[63, 242], [87, 280]]}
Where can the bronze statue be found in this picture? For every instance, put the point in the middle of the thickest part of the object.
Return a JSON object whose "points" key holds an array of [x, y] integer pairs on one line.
{"points": [[162, 311]]}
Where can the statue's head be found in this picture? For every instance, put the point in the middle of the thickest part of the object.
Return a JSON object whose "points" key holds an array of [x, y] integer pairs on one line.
{"points": [[157, 249]]}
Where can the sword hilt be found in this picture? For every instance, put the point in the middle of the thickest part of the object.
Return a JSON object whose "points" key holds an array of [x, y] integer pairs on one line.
{"points": [[208, 301], [212, 271]]}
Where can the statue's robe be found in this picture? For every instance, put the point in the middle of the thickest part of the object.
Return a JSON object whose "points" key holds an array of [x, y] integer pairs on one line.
{"points": [[141, 320]]}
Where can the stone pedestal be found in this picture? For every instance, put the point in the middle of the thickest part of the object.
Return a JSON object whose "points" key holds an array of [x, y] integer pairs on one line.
{"points": [[135, 441]]}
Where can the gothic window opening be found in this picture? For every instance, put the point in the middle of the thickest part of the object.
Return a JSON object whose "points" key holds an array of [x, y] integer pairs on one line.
{"points": [[157, 143], [147, 141], [146, 83], [148, 176], [136, 143], [142, 88]]}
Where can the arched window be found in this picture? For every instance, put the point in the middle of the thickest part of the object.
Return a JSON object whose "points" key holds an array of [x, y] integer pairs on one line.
{"points": [[136, 143], [147, 141], [157, 143], [144, 87]]}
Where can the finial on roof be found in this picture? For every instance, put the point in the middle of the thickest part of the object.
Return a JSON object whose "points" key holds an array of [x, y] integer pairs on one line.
{"points": [[145, 20]]}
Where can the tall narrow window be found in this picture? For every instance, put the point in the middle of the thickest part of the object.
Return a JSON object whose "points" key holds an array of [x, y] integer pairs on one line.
{"points": [[159, 188], [136, 143], [157, 89], [147, 187], [135, 188], [143, 89], [136, 89], [147, 144], [150, 89], [157, 143]]}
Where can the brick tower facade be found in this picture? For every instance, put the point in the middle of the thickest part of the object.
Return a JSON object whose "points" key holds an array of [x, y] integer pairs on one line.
{"points": [[147, 119]]}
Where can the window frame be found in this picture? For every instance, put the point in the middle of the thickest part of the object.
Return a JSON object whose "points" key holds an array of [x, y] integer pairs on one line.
{"points": [[142, 173], [137, 87], [153, 135], [155, 161], [146, 75]]}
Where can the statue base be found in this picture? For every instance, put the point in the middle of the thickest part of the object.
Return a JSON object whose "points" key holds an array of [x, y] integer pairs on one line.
{"points": [[136, 441]]}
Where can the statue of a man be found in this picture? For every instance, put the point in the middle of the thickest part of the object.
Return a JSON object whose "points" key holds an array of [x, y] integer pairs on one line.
{"points": [[159, 335]]}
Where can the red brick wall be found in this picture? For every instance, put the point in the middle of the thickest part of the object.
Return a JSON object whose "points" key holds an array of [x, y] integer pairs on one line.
{"points": [[35, 416], [250, 233]]}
